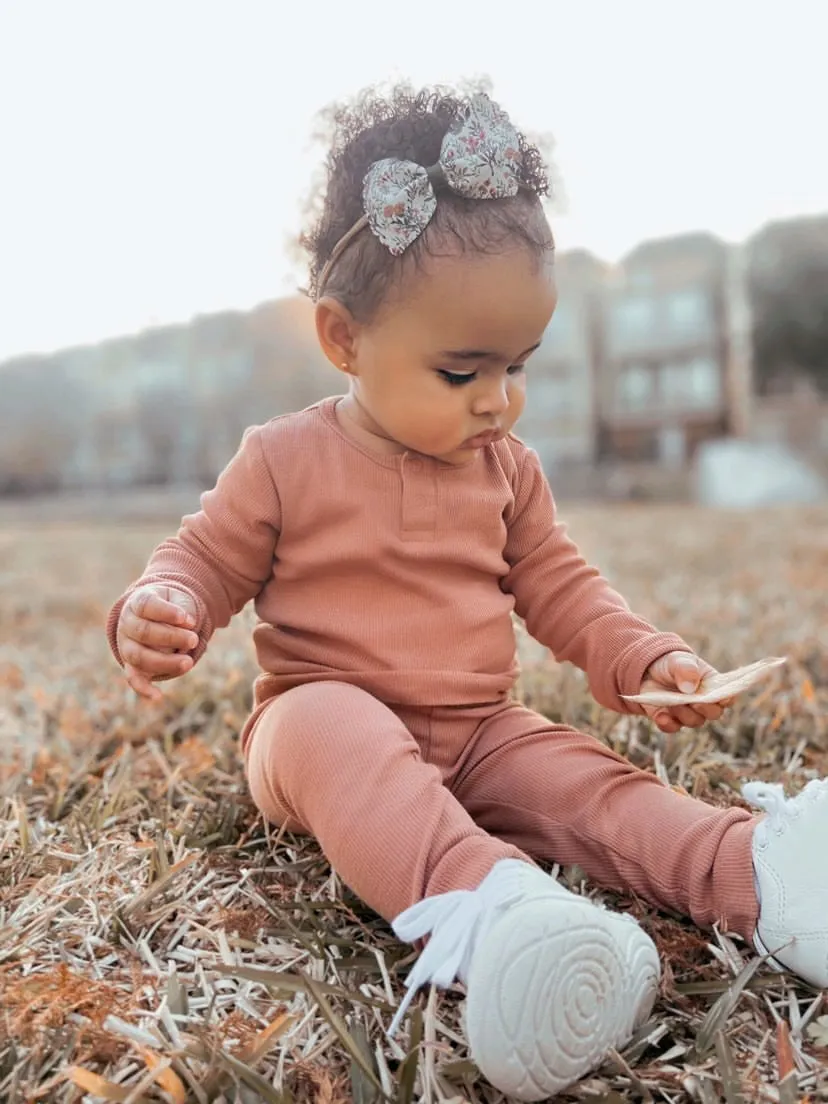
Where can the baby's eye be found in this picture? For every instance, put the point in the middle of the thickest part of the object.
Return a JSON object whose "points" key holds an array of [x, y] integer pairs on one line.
{"points": [[457, 379]]}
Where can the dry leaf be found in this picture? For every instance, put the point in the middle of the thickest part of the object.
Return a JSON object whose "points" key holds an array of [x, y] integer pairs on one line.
{"points": [[784, 1051], [817, 1031], [168, 1079], [96, 1085], [715, 688]]}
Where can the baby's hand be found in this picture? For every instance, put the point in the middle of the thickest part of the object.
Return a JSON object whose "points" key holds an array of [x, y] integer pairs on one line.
{"points": [[156, 622], [680, 671]]}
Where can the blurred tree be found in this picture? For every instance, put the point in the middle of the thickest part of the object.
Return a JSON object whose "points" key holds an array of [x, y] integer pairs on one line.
{"points": [[788, 284], [40, 418]]}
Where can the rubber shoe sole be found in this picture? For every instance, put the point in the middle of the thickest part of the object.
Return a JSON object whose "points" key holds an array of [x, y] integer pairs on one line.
{"points": [[554, 986]]}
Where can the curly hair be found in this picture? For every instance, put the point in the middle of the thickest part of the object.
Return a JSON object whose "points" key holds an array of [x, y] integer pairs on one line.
{"points": [[410, 125]]}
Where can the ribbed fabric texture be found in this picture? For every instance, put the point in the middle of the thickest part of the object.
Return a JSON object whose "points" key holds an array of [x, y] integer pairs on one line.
{"points": [[392, 579], [414, 802], [397, 574]]}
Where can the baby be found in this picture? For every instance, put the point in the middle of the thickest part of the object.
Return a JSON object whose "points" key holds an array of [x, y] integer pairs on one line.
{"points": [[387, 536]]}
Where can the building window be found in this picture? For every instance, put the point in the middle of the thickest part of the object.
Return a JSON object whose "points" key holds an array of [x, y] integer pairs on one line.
{"points": [[706, 381], [695, 384], [688, 312], [633, 316], [636, 386]]}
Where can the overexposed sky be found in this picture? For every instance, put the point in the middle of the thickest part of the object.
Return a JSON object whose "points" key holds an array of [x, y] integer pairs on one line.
{"points": [[154, 154]]}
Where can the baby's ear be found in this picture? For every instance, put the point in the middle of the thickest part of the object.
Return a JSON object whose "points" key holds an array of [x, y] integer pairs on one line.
{"points": [[336, 331]]}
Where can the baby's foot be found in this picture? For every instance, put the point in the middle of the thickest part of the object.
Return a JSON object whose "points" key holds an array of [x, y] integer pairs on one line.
{"points": [[790, 859], [553, 981]]}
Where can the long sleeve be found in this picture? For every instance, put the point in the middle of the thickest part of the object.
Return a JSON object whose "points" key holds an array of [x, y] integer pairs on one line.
{"points": [[222, 556], [568, 606]]}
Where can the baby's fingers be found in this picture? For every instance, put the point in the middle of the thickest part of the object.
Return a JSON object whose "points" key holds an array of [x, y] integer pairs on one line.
{"points": [[679, 716], [141, 685], [150, 662], [155, 634], [710, 711], [147, 604], [666, 722]]}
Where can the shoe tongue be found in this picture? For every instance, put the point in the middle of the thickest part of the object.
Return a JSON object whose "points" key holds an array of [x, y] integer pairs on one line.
{"points": [[769, 796], [511, 879]]}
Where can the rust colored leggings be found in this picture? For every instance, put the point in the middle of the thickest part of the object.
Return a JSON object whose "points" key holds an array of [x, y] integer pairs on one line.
{"points": [[410, 802]]}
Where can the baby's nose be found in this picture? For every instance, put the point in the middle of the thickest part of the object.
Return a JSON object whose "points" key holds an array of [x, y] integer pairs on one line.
{"points": [[494, 400]]}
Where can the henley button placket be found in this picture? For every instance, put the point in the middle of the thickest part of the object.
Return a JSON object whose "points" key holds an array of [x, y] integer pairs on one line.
{"points": [[419, 499]]}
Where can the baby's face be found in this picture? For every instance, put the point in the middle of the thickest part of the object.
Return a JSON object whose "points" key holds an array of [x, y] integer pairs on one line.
{"points": [[444, 364]]}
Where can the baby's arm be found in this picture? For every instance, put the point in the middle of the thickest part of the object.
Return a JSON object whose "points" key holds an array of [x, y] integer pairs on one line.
{"points": [[569, 606], [219, 560]]}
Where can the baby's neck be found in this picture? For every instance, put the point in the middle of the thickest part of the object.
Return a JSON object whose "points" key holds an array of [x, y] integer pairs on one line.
{"points": [[357, 424]]}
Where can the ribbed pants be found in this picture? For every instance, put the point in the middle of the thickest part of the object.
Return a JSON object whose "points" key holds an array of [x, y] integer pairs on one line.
{"points": [[411, 802]]}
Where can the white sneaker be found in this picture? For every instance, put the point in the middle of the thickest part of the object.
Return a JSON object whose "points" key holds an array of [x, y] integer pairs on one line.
{"points": [[790, 860], [553, 981]]}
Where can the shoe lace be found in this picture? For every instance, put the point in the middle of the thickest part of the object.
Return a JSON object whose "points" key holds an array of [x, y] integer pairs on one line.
{"points": [[780, 810], [454, 921]]}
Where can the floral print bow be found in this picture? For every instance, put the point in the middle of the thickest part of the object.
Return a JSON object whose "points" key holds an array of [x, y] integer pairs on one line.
{"points": [[479, 159]]}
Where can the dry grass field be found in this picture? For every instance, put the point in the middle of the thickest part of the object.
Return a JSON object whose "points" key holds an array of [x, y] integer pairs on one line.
{"points": [[157, 943]]}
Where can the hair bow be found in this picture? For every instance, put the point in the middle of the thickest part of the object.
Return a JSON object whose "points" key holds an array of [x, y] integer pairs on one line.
{"points": [[479, 159]]}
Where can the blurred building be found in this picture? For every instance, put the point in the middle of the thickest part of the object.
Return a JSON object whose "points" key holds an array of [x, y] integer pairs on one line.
{"points": [[559, 419], [663, 379], [687, 340], [738, 313], [168, 405]]}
